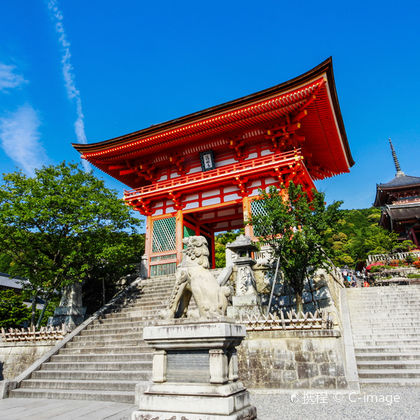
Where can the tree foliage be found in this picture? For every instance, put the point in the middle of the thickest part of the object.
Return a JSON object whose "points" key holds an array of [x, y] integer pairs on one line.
{"points": [[295, 226], [13, 312], [60, 226], [220, 245], [359, 235]]}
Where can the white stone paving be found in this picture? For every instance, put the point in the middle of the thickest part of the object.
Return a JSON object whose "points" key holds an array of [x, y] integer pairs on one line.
{"points": [[373, 403]]}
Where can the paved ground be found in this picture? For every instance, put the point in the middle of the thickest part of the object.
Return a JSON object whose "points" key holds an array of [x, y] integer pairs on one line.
{"points": [[382, 403]]}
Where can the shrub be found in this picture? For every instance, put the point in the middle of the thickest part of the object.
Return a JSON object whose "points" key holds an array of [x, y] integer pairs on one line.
{"points": [[410, 258], [376, 268], [375, 264], [417, 264]]}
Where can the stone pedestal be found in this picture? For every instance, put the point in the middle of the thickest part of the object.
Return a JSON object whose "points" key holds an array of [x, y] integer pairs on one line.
{"points": [[195, 373], [70, 312], [70, 316]]}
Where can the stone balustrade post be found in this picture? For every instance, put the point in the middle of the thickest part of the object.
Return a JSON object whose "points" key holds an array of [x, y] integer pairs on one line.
{"points": [[233, 366], [218, 366], [159, 366]]}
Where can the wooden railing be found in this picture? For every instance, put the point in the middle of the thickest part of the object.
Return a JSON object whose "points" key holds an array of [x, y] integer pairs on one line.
{"points": [[277, 160], [30, 334], [291, 321]]}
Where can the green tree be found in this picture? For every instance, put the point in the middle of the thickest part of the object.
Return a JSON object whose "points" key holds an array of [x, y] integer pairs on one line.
{"points": [[57, 226], [295, 226], [360, 235], [118, 260], [13, 312], [221, 240]]}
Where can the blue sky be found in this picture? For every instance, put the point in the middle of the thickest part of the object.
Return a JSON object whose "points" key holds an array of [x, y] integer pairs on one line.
{"points": [[116, 67]]}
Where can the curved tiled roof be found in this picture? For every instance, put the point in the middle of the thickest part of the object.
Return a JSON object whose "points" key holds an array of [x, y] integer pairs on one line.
{"points": [[401, 181]]}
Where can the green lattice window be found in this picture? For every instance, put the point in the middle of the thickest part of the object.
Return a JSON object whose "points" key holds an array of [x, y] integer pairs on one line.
{"points": [[162, 269], [257, 208], [164, 235]]}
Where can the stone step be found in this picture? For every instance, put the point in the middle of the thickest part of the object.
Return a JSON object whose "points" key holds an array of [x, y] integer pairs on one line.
{"points": [[119, 321], [115, 385], [385, 296], [365, 333], [138, 341], [388, 349], [392, 303], [146, 318], [391, 381], [375, 342], [106, 330], [394, 298], [384, 289], [114, 323], [107, 350], [379, 337], [412, 356], [136, 314], [150, 288], [385, 332], [155, 303], [384, 312], [360, 328], [101, 366], [388, 364], [138, 375], [389, 373], [103, 336], [116, 396], [389, 324], [124, 315], [154, 292], [100, 358], [145, 308]]}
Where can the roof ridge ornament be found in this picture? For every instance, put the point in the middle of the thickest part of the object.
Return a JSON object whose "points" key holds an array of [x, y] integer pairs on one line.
{"points": [[397, 164]]}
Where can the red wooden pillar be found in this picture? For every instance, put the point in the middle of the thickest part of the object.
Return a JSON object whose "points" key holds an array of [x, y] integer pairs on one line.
{"points": [[148, 242], [179, 235]]}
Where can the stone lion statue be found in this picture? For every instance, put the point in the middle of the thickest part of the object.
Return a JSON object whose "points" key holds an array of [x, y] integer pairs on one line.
{"points": [[193, 278]]}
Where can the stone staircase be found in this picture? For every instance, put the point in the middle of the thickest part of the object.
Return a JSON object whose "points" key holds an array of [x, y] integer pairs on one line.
{"points": [[386, 334], [109, 357]]}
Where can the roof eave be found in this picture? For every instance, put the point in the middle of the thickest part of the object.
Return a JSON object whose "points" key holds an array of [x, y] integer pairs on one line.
{"points": [[324, 67]]}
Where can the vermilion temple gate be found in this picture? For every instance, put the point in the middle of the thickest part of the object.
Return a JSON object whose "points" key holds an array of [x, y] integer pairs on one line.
{"points": [[199, 174]]}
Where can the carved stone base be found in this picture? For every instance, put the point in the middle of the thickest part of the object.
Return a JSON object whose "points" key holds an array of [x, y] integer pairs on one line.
{"points": [[245, 305], [195, 373], [248, 413], [70, 316]]}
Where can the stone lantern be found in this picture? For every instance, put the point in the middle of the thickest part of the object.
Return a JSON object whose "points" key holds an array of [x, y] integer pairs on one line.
{"points": [[246, 299]]}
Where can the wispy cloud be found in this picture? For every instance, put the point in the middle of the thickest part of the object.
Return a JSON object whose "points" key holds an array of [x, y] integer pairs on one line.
{"points": [[68, 72], [9, 78], [19, 136]]}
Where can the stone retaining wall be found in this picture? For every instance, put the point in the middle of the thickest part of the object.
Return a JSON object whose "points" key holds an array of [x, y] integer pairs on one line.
{"points": [[16, 357], [292, 360]]}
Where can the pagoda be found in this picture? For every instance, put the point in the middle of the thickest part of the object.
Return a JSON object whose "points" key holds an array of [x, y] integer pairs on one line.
{"points": [[199, 174], [400, 203]]}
